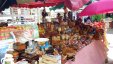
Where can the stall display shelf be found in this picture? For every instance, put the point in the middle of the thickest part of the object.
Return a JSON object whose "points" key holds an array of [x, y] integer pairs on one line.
{"points": [[25, 31]]}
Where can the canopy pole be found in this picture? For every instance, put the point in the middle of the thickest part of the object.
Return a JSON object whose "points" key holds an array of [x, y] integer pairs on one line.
{"points": [[44, 4]]}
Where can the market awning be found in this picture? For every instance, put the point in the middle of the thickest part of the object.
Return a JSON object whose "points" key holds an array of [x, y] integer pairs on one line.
{"points": [[71, 4], [36, 4]]}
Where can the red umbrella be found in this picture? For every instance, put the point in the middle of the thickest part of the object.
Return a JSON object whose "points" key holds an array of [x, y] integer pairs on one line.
{"points": [[98, 8], [75, 4]]}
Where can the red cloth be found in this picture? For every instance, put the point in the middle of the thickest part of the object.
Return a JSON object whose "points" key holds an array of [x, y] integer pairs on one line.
{"points": [[95, 53]]}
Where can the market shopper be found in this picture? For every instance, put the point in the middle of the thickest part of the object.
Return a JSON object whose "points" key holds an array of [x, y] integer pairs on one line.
{"points": [[70, 15], [44, 14], [88, 21], [58, 17], [65, 17]]}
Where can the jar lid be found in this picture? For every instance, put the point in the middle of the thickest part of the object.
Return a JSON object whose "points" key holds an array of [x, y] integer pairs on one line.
{"points": [[42, 39], [8, 55]]}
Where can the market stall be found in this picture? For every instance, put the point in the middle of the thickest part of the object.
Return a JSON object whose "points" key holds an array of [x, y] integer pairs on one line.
{"points": [[55, 42], [62, 41]]}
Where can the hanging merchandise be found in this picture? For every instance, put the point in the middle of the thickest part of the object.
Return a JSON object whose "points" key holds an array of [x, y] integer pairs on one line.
{"points": [[14, 11], [33, 11], [24, 11]]}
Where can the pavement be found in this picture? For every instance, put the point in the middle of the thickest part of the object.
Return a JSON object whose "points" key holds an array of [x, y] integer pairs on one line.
{"points": [[109, 37]]}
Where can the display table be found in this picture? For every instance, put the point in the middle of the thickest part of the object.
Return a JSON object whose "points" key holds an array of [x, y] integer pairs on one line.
{"points": [[94, 53]]}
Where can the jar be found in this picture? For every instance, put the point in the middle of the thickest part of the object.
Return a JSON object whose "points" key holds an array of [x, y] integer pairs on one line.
{"points": [[8, 59]]}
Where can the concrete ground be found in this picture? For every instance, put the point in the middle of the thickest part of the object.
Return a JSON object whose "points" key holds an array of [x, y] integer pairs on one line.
{"points": [[109, 36]]}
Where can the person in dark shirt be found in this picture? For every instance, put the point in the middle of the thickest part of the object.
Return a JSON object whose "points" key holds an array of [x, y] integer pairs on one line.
{"points": [[58, 15], [70, 16], [44, 13], [107, 15]]}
